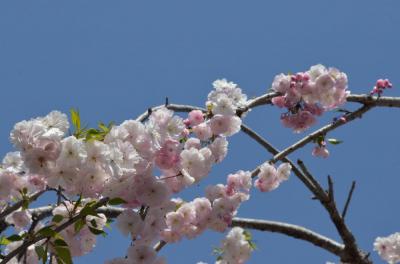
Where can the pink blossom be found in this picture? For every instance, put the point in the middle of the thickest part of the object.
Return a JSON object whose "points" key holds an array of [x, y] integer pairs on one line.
{"points": [[320, 151], [202, 131], [225, 125], [196, 117]]}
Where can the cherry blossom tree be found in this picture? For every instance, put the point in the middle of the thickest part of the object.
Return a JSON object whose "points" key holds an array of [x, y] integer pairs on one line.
{"points": [[132, 173]]}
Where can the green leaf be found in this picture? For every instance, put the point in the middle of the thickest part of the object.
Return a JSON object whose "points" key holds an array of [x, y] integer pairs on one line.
{"points": [[97, 231], [25, 204], [14, 238], [218, 251], [93, 134], [319, 139], [116, 201], [88, 210], [63, 255], [79, 225], [57, 218], [76, 120], [252, 245], [4, 241], [103, 127], [93, 222], [334, 141], [42, 253], [47, 232], [247, 235], [108, 223], [60, 243], [77, 203]]}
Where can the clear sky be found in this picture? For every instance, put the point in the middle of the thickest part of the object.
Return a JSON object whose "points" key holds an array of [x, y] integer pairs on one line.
{"points": [[114, 59]]}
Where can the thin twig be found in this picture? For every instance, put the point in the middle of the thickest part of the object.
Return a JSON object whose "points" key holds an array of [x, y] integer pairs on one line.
{"points": [[309, 181], [18, 204], [160, 245], [330, 191], [321, 194], [322, 131], [353, 186]]}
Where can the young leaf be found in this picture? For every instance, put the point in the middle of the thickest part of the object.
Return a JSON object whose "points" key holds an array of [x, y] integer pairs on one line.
{"points": [[79, 225], [14, 238], [252, 245], [42, 253], [88, 210], [93, 222], [4, 241], [77, 203], [76, 120], [97, 231], [60, 243], [63, 255], [47, 232], [116, 201], [334, 141], [57, 218]]}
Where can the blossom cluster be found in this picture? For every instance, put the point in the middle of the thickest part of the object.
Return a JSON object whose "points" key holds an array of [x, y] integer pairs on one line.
{"points": [[309, 94], [215, 211], [123, 164], [388, 248], [236, 247], [145, 165], [269, 178]]}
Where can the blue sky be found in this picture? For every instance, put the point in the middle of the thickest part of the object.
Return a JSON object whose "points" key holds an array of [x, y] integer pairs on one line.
{"points": [[114, 59]]}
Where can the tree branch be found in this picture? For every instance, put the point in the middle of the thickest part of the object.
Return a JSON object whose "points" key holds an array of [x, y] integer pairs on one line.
{"points": [[322, 131], [353, 186], [294, 231], [61, 227], [383, 101], [311, 183], [18, 204]]}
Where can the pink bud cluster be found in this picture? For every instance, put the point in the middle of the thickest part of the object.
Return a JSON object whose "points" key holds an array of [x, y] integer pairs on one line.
{"points": [[380, 86], [269, 178], [309, 94], [388, 248]]}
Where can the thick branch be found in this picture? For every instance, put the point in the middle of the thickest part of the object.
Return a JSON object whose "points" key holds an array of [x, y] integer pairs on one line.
{"points": [[351, 253], [383, 101], [262, 225], [294, 231]]}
